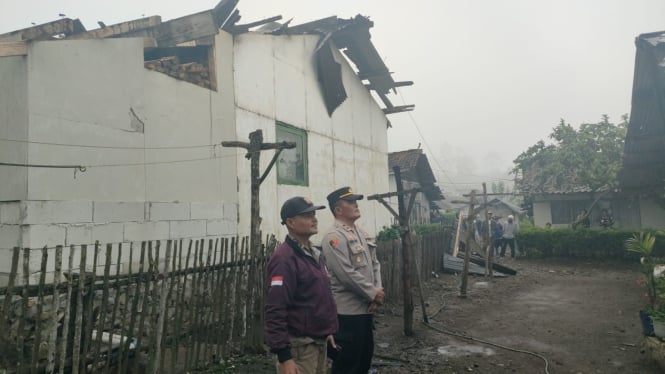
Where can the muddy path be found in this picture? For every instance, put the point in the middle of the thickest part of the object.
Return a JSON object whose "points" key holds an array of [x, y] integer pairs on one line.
{"points": [[581, 317]]}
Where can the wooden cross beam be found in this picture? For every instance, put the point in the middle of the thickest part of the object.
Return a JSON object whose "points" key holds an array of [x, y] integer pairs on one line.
{"points": [[254, 148]]}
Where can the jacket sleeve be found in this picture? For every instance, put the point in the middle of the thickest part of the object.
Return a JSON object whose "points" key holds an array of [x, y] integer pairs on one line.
{"points": [[281, 283], [336, 251]]}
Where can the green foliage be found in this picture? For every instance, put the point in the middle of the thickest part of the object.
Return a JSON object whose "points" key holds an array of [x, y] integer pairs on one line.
{"points": [[393, 232], [388, 234], [426, 228], [589, 156], [592, 243], [448, 217], [641, 243]]}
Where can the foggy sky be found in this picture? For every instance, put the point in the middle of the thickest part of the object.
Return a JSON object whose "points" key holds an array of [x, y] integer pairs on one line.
{"points": [[491, 77]]}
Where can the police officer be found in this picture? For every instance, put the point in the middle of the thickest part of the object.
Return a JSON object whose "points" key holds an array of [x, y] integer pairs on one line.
{"points": [[300, 309], [356, 283]]}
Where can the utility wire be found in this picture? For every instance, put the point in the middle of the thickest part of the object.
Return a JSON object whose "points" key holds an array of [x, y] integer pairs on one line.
{"points": [[429, 149], [107, 146], [80, 168]]}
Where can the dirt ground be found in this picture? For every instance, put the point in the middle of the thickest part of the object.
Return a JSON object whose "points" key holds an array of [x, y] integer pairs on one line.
{"points": [[581, 317]]}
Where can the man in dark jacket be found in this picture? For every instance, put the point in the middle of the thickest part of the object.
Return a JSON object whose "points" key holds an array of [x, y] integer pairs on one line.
{"points": [[300, 311]]}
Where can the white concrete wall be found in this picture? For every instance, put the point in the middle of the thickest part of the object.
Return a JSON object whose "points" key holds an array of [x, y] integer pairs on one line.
{"points": [[276, 80], [13, 127], [651, 214], [138, 127], [542, 213], [97, 92]]}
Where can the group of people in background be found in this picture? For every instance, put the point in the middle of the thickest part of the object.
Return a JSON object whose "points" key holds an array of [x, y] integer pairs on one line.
{"points": [[503, 234], [320, 301]]}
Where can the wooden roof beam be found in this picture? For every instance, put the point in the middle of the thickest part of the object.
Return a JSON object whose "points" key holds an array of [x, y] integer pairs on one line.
{"points": [[13, 49], [119, 28], [397, 84], [399, 109], [44, 31]]}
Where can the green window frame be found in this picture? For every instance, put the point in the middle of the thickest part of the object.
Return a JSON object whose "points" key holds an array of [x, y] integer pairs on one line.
{"points": [[292, 163]]}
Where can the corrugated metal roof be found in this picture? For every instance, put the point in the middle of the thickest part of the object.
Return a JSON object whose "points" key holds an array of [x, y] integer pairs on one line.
{"points": [[644, 151]]}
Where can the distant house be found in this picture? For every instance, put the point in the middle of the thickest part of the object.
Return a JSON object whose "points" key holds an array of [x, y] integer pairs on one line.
{"points": [[639, 200], [502, 208], [133, 116], [642, 177], [416, 172]]}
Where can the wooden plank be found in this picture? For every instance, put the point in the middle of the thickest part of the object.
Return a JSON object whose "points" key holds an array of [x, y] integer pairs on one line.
{"points": [[119, 28], [145, 306], [65, 26], [78, 324], [88, 309], [116, 302], [55, 306], [102, 314], [222, 11], [39, 325], [13, 49], [179, 30]]}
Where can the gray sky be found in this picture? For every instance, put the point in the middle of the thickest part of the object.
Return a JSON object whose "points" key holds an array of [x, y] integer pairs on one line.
{"points": [[491, 77]]}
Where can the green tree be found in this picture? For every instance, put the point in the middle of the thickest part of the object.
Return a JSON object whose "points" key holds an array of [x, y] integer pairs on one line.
{"points": [[589, 157]]}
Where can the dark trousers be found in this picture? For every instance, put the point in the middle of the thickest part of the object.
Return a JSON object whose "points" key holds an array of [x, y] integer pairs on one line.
{"points": [[356, 337], [504, 243]]}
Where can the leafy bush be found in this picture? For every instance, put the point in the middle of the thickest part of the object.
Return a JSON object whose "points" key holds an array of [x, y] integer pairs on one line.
{"points": [[592, 243], [426, 228], [388, 234]]}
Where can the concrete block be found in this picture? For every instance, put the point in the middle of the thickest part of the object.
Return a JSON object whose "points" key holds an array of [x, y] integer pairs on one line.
{"points": [[10, 212], [45, 212], [220, 227], [207, 210], [139, 231], [231, 212], [79, 234], [187, 229], [6, 260], [118, 211], [10, 236], [108, 233], [37, 236], [168, 211]]}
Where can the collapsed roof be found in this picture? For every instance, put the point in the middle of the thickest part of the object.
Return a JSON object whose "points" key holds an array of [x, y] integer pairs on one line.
{"points": [[352, 36], [415, 167]]}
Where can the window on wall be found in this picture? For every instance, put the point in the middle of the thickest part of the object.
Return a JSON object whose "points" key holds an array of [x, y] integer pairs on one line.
{"points": [[292, 163]]}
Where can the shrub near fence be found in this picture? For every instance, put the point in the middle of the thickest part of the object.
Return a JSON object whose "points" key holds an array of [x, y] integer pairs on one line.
{"points": [[184, 305], [581, 243]]}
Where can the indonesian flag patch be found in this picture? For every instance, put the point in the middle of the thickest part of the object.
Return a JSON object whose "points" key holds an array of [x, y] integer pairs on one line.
{"points": [[277, 281]]}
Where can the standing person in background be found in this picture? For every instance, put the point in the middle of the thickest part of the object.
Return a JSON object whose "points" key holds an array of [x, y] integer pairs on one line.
{"points": [[497, 235], [606, 220], [300, 315], [510, 229], [356, 283], [487, 231]]}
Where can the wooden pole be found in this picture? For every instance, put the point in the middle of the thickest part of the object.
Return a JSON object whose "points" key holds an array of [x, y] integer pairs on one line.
{"points": [[489, 245], [406, 258], [457, 233], [254, 148], [467, 249]]}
